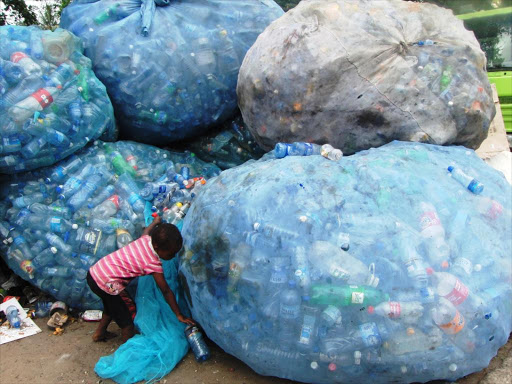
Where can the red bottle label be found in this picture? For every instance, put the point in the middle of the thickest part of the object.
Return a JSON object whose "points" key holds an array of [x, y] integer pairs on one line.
{"points": [[429, 219], [17, 56], [43, 97], [494, 210], [394, 310], [459, 293]]}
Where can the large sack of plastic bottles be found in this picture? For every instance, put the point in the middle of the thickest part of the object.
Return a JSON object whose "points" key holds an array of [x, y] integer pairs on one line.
{"points": [[231, 145], [51, 103], [170, 67], [391, 265], [358, 74], [58, 221]]}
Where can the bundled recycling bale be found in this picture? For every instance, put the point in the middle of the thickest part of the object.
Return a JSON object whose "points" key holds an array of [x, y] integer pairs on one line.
{"points": [[359, 74], [62, 219], [228, 147], [170, 71], [51, 103], [380, 267]]}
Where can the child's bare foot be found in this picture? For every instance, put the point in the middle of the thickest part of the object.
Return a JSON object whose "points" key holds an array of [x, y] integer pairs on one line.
{"points": [[127, 333], [103, 336]]}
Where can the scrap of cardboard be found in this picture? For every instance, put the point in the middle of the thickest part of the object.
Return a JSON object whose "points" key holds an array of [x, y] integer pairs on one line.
{"points": [[28, 327]]}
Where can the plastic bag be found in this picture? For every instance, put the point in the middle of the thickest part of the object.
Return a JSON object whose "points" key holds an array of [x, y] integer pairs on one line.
{"points": [[180, 79], [382, 266], [51, 103], [228, 147], [359, 74], [161, 343], [62, 219]]}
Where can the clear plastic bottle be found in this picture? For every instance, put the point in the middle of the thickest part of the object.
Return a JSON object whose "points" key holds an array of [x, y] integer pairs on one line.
{"points": [[50, 210], [331, 315], [38, 101], [62, 170], [87, 189], [12, 315], [467, 181], [25, 201], [489, 208], [453, 324], [304, 149], [412, 340], [433, 232], [129, 191], [270, 300], [56, 272], [30, 67], [101, 197], [282, 150], [73, 183], [54, 224], [289, 311], [308, 326], [123, 238], [197, 343], [407, 312], [300, 263], [58, 243]]}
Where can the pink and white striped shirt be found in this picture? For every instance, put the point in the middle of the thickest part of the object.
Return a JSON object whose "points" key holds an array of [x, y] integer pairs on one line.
{"points": [[113, 272]]}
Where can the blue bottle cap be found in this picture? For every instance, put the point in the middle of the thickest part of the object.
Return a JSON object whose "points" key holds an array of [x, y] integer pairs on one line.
{"points": [[450, 168], [476, 187]]}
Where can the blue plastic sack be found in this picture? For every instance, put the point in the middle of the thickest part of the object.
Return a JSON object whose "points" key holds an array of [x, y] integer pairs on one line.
{"points": [[181, 78], [51, 103], [161, 344], [380, 267], [60, 220], [228, 147]]}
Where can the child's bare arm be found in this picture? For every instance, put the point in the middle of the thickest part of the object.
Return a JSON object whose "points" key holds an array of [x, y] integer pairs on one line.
{"points": [[169, 297], [157, 220]]}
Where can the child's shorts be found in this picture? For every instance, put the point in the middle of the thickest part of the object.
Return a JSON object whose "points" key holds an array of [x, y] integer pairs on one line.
{"points": [[116, 306]]}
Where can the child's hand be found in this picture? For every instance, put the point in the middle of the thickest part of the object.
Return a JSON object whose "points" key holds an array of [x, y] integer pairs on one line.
{"points": [[186, 320], [157, 220]]}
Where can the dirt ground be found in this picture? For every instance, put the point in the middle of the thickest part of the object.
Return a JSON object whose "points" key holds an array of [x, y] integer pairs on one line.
{"points": [[70, 358]]}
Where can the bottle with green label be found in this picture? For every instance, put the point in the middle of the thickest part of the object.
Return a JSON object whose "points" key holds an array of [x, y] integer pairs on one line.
{"points": [[118, 162], [346, 295]]}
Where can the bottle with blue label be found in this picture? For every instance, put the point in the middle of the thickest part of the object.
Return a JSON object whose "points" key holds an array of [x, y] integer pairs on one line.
{"points": [[467, 181], [197, 343]]}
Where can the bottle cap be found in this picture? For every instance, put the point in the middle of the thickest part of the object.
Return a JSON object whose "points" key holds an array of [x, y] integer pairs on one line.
{"points": [[256, 226], [74, 226], [53, 250], [450, 168], [445, 265], [314, 365], [410, 331], [332, 367], [476, 187], [371, 310], [429, 270], [477, 267]]}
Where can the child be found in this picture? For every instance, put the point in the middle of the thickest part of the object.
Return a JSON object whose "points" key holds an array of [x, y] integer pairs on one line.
{"points": [[110, 275]]}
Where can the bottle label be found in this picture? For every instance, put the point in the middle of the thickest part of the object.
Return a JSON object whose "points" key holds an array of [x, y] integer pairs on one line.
{"points": [[394, 310], [339, 273], [17, 57], [459, 293], [429, 219], [43, 97], [370, 334], [88, 241], [289, 311], [278, 278], [465, 264], [305, 333], [357, 297], [55, 224], [494, 210], [455, 325], [19, 240], [115, 200], [332, 312]]}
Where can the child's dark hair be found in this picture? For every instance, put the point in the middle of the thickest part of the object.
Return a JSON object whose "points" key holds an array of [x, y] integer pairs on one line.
{"points": [[166, 236]]}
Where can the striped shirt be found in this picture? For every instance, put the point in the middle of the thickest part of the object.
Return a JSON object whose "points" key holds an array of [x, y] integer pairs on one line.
{"points": [[113, 272]]}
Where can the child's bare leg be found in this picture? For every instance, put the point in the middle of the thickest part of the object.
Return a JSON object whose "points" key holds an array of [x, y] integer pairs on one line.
{"points": [[101, 332], [127, 332]]}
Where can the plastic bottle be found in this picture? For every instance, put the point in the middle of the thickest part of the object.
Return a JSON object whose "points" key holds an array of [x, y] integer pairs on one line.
{"points": [[56, 272], [367, 335], [78, 285], [304, 149], [25, 201], [331, 315], [129, 191], [58, 243], [70, 261], [12, 315], [118, 162], [55, 224], [197, 343], [21, 243], [89, 241], [38, 101], [407, 312], [281, 150], [270, 301], [50, 210], [433, 232], [87, 189], [308, 326], [123, 238], [453, 324], [331, 153], [62, 170], [101, 197], [30, 67], [150, 190], [74, 182], [61, 75], [289, 310], [300, 263], [489, 208], [110, 225], [346, 295], [333, 261], [469, 182], [412, 340]]}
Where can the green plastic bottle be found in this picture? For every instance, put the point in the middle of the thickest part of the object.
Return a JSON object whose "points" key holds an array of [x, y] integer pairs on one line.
{"points": [[158, 117], [119, 163], [82, 85], [347, 295], [106, 14], [446, 78]]}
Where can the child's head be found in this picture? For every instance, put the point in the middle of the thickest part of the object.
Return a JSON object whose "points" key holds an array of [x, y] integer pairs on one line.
{"points": [[166, 240]]}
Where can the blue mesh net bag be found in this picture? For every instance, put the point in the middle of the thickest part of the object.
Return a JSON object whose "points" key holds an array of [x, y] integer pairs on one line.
{"points": [[51, 103], [58, 221], [170, 67], [391, 265], [161, 344]]}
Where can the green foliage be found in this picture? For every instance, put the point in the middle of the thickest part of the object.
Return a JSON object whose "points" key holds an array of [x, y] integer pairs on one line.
{"points": [[22, 14]]}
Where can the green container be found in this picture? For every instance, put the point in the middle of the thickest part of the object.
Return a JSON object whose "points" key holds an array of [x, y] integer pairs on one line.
{"points": [[347, 295]]}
